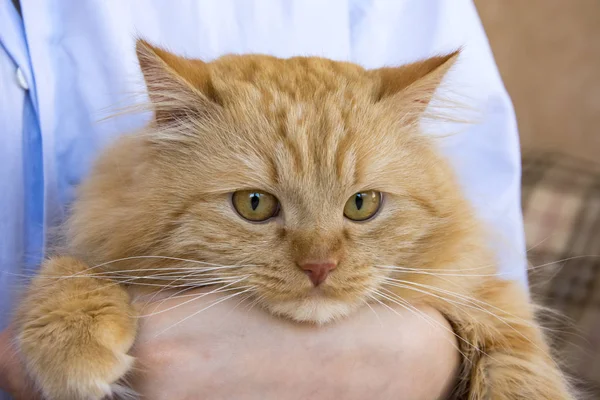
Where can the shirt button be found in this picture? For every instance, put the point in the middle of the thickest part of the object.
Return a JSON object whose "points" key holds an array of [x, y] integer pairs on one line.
{"points": [[21, 79]]}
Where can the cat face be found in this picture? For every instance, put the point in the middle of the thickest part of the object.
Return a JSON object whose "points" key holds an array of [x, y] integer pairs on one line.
{"points": [[308, 177]]}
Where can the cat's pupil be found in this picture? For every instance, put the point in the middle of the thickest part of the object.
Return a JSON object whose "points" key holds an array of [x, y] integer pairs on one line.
{"points": [[359, 201], [254, 200]]}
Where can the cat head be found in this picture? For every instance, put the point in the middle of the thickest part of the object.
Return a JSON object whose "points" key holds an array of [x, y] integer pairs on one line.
{"points": [[310, 178]]}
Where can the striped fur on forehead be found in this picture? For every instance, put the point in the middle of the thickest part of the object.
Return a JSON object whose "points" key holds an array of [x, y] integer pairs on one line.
{"points": [[305, 109], [298, 78]]}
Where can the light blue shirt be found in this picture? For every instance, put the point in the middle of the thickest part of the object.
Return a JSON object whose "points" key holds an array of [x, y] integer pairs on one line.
{"points": [[65, 65]]}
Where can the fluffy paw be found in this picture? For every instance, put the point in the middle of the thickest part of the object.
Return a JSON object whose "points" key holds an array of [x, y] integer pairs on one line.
{"points": [[74, 333], [85, 378], [83, 367]]}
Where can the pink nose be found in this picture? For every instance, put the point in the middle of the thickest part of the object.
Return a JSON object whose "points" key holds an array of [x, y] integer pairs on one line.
{"points": [[317, 271]]}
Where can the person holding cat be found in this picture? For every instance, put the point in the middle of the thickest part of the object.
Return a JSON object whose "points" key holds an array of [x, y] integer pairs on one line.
{"points": [[62, 87]]}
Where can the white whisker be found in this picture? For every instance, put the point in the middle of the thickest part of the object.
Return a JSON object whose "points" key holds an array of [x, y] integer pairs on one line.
{"points": [[217, 290], [460, 296], [373, 310], [197, 284], [407, 284], [426, 318], [460, 271], [430, 272], [203, 309], [156, 257]]}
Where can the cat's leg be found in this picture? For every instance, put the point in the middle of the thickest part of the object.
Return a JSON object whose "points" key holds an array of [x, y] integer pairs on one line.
{"points": [[74, 331], [508, 358]]}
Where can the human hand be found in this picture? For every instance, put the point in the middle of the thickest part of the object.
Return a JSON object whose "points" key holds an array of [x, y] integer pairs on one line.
{"points": [[233, 351], [12, 373]]}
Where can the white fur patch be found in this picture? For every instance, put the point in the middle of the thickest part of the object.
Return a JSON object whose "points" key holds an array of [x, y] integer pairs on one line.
{"points": [[317, 309]]}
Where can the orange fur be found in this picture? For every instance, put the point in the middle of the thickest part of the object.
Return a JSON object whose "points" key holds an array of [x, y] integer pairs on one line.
{"points": [[312, 132]]}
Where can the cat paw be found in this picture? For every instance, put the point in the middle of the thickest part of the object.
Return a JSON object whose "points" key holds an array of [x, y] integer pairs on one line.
{"points": [[74, 334], [93, 380], [93, 374]]}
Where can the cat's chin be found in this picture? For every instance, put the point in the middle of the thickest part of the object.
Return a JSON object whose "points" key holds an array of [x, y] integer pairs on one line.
{"points": [[315, 309]]}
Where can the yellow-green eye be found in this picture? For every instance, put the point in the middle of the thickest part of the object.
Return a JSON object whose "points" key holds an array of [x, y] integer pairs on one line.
{"points": [[362, 205], [255, 205]]}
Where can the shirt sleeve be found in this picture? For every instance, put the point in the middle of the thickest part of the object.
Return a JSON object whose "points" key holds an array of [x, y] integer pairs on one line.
{"points": [[21, 197]]}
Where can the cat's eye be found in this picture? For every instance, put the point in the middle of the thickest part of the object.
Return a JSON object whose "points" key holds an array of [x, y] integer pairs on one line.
{"points": [[362, 205], [255, 205]]}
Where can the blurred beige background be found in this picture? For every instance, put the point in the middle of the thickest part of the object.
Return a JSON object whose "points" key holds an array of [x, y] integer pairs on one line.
{"points": [[548, 52]]}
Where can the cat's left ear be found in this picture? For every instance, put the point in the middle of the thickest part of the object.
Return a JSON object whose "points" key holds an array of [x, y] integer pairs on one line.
{"points": [[413, 85], [176, 85]]}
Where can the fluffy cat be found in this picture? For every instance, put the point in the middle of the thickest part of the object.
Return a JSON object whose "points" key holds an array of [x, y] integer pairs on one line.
{"points": [[310, 179]]}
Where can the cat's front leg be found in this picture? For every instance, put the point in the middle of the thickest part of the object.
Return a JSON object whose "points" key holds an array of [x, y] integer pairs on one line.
{"points": [[74, 331], [507, 356]]}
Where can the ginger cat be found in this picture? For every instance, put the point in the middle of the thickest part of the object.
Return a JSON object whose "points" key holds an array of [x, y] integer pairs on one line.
{"points": [[305, 182]]}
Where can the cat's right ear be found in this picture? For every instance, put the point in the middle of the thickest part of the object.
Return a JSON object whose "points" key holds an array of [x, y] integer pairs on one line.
{"points": [[178, 87]]}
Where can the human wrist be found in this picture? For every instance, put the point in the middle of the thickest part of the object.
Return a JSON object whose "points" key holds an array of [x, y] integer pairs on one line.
{"points": [[6, 359], [12, 373]]}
